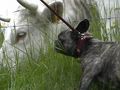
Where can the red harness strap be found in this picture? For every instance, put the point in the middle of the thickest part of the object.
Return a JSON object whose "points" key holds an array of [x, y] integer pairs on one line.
{"points": [[82, 41]]}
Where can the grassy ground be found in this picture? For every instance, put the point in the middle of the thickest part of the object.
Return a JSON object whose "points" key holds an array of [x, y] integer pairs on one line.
{"points": [[52, 72]]}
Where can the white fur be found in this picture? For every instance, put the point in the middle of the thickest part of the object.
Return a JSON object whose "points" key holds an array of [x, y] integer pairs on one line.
{"points": [[36, 24]]}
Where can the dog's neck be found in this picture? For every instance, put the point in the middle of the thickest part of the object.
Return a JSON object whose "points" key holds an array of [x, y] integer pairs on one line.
{"points": [[82, 46], [82, 43], [95, 46]]}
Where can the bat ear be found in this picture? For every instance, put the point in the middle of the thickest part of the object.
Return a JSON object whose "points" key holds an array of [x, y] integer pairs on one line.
{"points": [[83, 26]]}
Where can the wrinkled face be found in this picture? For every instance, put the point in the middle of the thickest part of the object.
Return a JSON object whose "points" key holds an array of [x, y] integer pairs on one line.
{"points": [[66, 43], [67, 40]]}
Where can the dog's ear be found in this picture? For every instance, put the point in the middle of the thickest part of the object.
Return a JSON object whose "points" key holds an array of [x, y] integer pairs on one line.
{"points": [[83, 26]]}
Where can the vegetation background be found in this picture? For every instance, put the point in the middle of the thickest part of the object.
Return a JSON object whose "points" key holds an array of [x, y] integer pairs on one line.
{"points": [[55, 71]]}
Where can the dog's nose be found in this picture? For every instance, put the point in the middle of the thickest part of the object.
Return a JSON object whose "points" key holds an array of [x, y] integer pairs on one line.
{"points": [[57, 43], [59, 47]]}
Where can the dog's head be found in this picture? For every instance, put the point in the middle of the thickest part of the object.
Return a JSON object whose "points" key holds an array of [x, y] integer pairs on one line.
{"points": [[72, 42]]}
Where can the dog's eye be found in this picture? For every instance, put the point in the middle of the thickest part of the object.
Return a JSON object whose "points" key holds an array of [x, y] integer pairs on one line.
{"points": [[20, 36], [74, 35]]}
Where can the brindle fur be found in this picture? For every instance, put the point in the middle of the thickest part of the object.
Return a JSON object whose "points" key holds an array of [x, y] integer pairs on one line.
{"points": [[100, 61]]}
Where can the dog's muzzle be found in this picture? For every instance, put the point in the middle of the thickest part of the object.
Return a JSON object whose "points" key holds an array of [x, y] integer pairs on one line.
{"points": [[59, 47]]}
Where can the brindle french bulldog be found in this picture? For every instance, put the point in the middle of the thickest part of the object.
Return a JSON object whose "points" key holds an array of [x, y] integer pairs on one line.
{"points": [[99, 60]]}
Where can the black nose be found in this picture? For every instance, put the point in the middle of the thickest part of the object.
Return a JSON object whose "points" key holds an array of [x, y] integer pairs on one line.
{"points": [[57, 43], [59, 47]]}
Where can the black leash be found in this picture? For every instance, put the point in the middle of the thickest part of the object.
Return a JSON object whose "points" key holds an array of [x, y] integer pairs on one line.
{"points": [[58, 15]]}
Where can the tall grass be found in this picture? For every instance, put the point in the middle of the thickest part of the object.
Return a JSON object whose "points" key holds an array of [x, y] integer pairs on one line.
{"points": [[54, 71]]}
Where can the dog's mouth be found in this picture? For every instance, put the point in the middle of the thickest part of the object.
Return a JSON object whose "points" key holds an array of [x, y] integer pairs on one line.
{"points": [[59, 47]]}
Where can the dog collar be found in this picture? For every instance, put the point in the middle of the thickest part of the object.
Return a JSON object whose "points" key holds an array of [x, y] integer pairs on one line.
{"points": [[82, 41]]}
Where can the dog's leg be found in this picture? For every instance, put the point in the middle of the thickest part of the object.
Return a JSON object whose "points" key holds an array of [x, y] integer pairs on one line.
{"points": [[90, 71]]}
